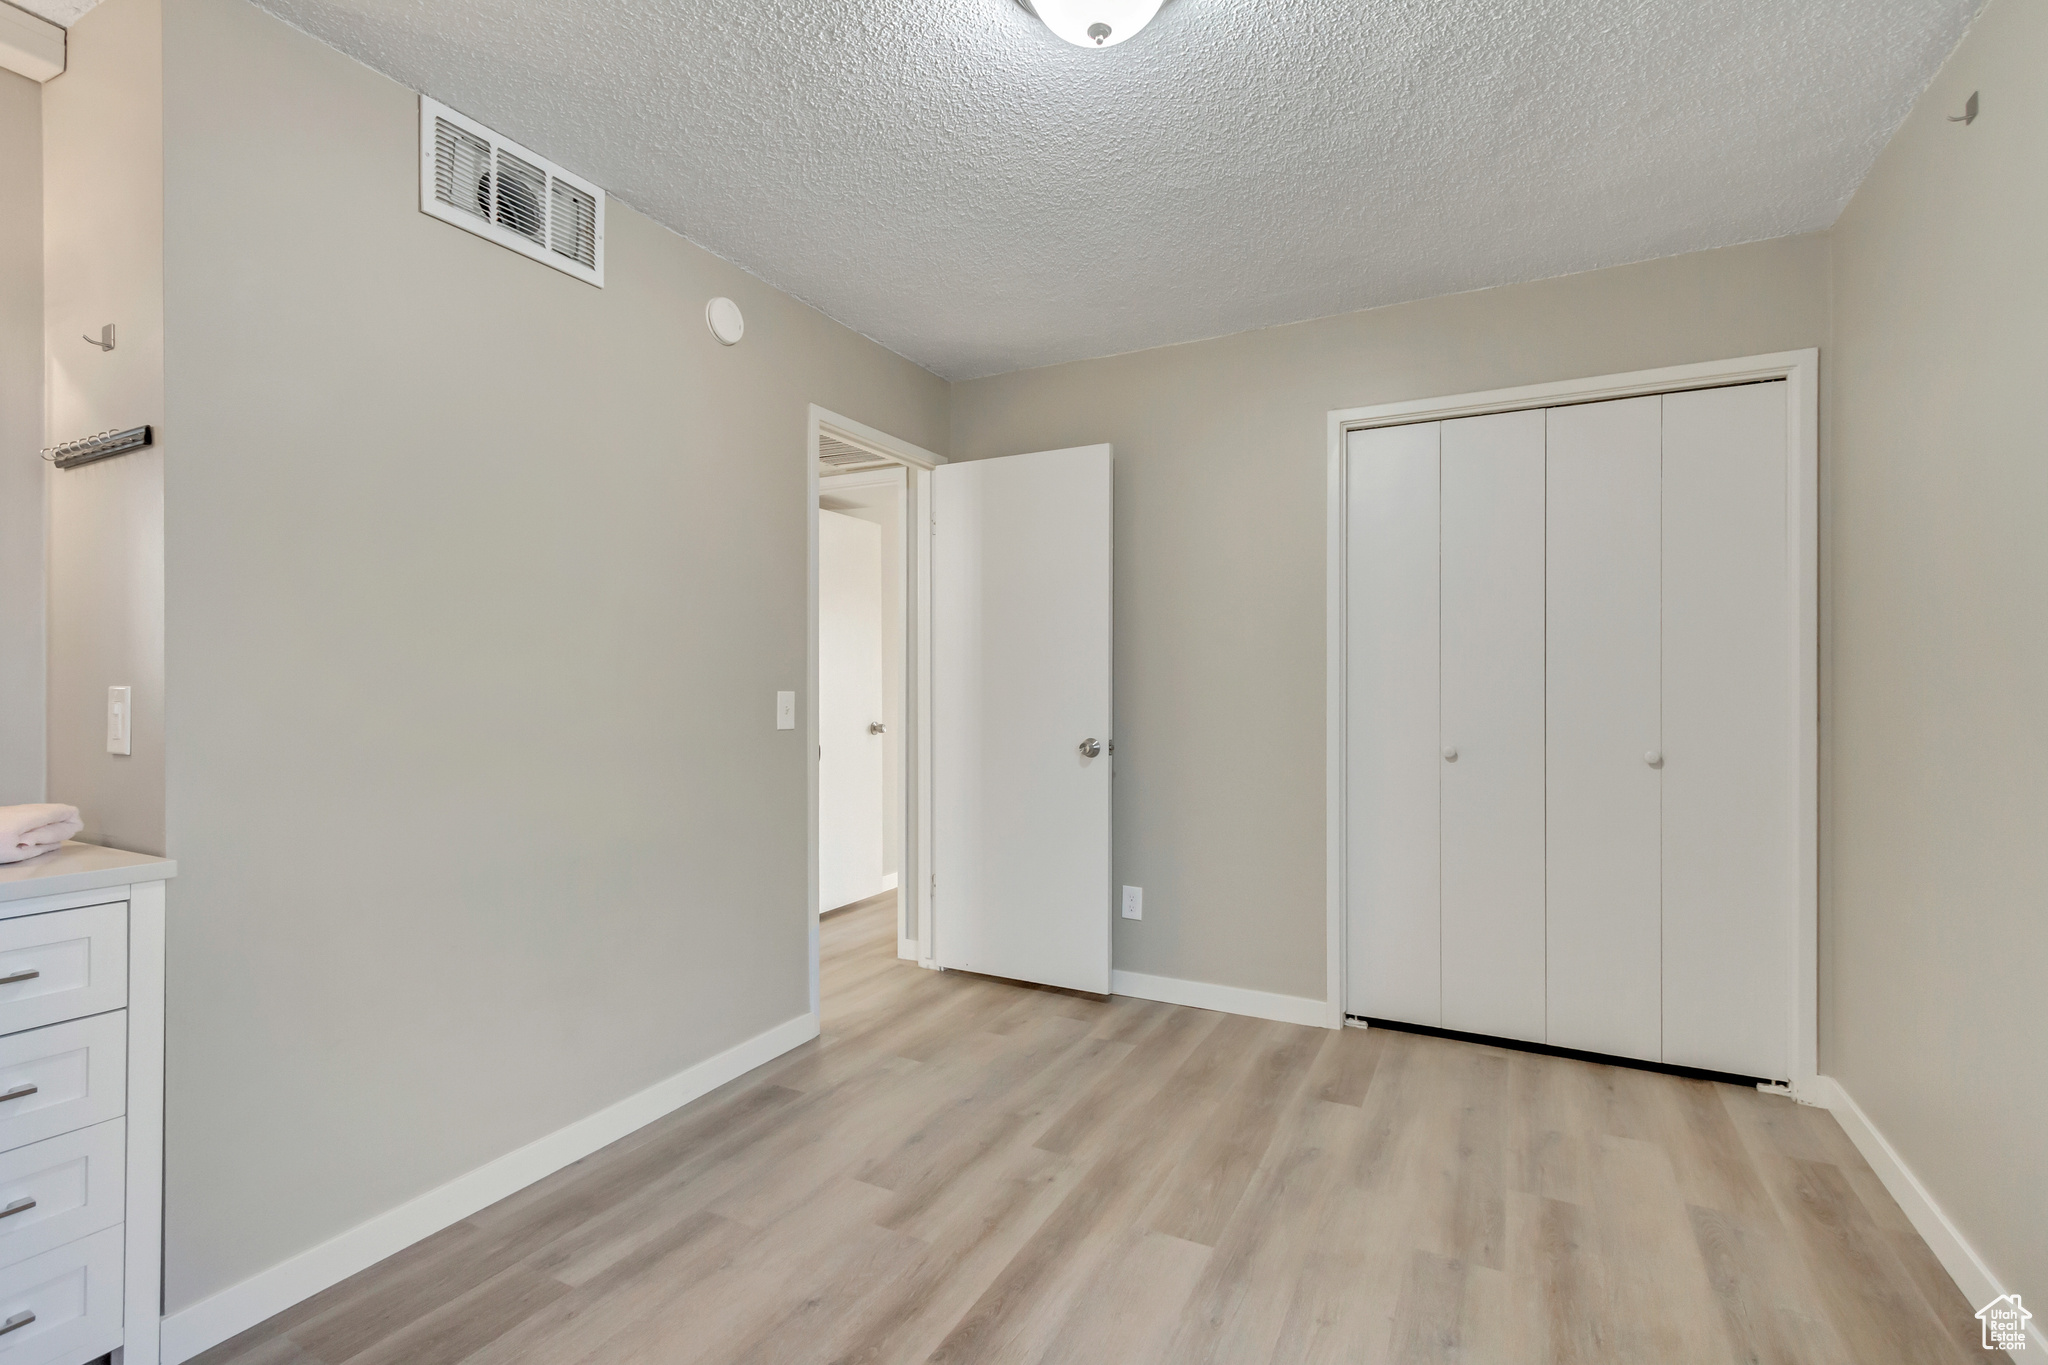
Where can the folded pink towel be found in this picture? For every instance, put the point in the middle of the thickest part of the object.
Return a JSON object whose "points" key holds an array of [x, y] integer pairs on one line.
{"points": [[26, 831]]}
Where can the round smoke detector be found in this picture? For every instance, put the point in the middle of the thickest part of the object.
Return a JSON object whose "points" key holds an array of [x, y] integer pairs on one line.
{"points": [[722, 315]]}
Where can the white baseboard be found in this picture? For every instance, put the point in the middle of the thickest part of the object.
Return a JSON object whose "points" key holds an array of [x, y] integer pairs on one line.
{"points": [[239, 1307], [1935, 1227], [1288, 1009], [888, 881]]}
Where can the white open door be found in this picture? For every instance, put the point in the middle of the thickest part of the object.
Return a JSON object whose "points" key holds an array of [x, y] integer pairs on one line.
{"points": [[1021, 571]]}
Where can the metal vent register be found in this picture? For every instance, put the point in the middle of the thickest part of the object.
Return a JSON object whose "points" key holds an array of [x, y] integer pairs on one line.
{"points": [[478, 181], [844, 457]]}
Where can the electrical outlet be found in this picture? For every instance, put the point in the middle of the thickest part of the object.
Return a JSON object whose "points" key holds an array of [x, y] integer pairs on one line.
{"points": [[785, 710], [1134, 902]]}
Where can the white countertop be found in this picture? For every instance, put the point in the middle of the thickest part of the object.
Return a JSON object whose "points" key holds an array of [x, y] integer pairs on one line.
{"points": [[80, 867]]}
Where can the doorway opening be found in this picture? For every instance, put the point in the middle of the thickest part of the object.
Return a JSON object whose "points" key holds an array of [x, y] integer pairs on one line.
{"points": [[860, 687], [870, 627], [1002, 584]]}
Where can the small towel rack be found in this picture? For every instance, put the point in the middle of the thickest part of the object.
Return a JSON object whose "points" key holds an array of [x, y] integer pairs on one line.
{"points": [[84, 451]]}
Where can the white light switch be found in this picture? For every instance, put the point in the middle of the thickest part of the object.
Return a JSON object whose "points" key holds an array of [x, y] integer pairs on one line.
{"points": [[785, 710], [1134, 902], [119, 720]]}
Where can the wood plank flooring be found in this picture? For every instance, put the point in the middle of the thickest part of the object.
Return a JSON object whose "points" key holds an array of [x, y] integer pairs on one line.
{"points": [[963, 1170]]}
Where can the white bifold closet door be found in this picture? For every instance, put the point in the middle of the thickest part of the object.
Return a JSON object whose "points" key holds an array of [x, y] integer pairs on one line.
{"points": [[1491, 730], [1571, 765], [1444, 707], [1730, 754], [1394, 950], [1603, 709]]}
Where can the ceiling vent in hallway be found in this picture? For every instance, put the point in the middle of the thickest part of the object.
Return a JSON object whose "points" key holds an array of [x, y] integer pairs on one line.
{"points": [[471, 177], [836, 455]]}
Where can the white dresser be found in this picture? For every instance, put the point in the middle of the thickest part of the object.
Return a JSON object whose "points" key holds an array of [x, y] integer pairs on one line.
{"points": [[81, 1106]]}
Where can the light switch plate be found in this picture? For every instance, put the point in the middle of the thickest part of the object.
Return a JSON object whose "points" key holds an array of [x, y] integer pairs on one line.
{"points": [[120, 721], [1134, 902], [785, 710]]}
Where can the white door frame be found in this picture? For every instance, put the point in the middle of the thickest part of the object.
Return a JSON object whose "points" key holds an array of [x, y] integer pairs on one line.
{"points": [[1800, 370], [913, 860]]}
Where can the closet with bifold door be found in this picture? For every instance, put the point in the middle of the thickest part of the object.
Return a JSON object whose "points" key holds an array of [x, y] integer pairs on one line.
{"points": [[1570, 766]]}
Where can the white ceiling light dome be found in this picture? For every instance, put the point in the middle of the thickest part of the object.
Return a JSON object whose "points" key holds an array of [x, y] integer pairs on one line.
{"points": [[1095, 23]]}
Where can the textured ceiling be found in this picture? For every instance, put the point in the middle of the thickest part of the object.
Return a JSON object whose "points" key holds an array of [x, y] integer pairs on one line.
{"points": [[63, 12], [949, 178]]}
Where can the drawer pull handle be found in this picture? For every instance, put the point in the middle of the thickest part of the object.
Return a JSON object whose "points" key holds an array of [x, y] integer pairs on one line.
{"points": [[21, 1205], [20, 1092], [14, 978], [18, 1321]]}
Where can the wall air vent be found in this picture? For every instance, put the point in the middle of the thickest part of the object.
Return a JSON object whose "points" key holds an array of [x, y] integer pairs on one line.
{"points": [[471, 177]]}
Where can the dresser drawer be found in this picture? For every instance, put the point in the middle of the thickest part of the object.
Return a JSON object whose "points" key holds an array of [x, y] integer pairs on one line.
{"points": [[63, 1306], [62, 1077], [60, 1189], [63, 965]]}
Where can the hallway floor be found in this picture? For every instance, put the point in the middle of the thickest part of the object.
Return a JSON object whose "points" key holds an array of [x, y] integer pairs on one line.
{"points": [[964, 1170]]}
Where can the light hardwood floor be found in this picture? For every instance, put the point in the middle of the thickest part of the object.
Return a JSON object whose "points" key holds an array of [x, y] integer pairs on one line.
{"points": [[963, 1170]]}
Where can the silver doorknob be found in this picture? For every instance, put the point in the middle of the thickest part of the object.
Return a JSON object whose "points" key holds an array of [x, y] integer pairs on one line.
{"points": [[1090, 748], [1654, 759], [1450, 753], [876, 727]]}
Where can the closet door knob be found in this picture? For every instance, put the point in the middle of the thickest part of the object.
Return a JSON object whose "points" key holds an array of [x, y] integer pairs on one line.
{"points": [[1450, 753], [1654, 759], [1090, 748]]}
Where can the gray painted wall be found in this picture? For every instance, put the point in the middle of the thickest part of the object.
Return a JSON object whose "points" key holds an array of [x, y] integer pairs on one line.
{"points": [[103, 262], [482, 582], [1221, 471], [21, 440], [1938, 941]]}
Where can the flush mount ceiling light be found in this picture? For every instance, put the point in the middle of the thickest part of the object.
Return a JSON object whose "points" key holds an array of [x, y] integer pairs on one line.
{"points": [[1094, 23]]}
